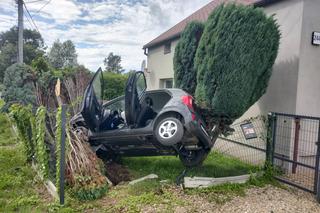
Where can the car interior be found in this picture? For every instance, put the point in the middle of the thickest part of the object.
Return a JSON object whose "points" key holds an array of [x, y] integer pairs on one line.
{"points": [[151, 104], [136, 109]]}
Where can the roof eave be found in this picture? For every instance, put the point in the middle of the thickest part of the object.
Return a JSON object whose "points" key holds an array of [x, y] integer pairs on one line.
{"points": [[150, 44]]}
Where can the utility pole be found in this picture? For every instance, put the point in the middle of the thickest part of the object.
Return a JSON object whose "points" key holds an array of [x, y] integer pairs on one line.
{"points": [[20, 31]]}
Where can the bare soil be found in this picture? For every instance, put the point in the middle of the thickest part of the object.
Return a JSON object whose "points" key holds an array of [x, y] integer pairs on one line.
{"points": [[117, 173]]}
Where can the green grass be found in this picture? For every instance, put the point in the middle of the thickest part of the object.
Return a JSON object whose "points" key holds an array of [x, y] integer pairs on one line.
{"points": [[6, 134], [19, 184], [216, 165]]}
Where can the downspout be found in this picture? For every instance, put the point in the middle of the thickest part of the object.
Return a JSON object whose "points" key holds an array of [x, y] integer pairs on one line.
{"points": [[145, 51]]}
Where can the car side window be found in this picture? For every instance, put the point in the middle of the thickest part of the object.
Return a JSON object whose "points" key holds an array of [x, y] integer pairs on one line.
{"points": [[141, 85], [97, 87]]}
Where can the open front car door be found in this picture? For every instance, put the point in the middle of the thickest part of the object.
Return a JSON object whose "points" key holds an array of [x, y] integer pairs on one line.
{"points": [[135, 89], [92, 110]]}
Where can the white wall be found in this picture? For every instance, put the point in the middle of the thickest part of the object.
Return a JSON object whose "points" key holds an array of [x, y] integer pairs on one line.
{"points": [[160, 65], [281, 94], [294, 85], [308, 100]]}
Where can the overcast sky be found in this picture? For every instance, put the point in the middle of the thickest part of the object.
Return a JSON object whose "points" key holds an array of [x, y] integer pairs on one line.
{"points": [[98, 27]]}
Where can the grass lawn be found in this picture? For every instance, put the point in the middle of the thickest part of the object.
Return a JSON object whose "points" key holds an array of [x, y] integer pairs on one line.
{"points": [[6, 136], [22, 191], [19, 189], [216, 165]]}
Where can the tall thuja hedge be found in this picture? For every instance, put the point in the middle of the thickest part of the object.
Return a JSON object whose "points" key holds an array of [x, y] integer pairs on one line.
{"points": [[185, 74], [234, 59]]}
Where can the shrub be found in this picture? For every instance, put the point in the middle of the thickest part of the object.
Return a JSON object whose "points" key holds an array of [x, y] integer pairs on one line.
{"points": [[185, 74], [25, 123], [114, 85], [18, 83], [234, 59]]}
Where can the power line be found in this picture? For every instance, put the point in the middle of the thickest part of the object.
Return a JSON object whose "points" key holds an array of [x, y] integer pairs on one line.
{"points": [[37, 29], [31, 18], [43, 6], [34, 1], [28, 21]]}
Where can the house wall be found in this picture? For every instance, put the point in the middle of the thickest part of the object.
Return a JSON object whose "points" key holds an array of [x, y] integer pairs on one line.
{"points": [[293, 86], [160, 65], [281, 95], [308, 97]]}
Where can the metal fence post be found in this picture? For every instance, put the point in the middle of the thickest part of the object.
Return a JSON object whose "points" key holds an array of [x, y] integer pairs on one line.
{"points": [[296, 144], [269, 140], [274, 131], [62, 159], [317, 177]]}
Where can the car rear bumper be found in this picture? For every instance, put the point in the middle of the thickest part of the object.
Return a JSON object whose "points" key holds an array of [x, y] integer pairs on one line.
{"points": [[196, 129]]}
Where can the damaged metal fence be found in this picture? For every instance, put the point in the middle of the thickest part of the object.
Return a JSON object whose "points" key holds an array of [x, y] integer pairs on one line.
{"points": [[289, 142], [249, 147]]}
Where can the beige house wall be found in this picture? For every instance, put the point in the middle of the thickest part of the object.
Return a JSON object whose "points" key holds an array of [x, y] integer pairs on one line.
{"points": [[294, 85], [160, 65], [308, 98], [281, 95]]}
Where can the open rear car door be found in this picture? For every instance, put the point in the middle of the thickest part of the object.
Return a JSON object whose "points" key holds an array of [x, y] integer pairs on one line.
{"points": [[135, 89], [92, 110]]}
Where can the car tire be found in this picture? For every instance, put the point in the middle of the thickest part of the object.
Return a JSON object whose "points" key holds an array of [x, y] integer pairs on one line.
{"points": [[194, 157], [169, 131]]}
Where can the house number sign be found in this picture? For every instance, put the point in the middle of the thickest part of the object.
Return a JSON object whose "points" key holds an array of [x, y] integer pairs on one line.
{"points": [[316, 38]]}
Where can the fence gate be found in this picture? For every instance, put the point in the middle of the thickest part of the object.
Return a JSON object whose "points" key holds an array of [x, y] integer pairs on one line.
{"points": [[295, 149]]}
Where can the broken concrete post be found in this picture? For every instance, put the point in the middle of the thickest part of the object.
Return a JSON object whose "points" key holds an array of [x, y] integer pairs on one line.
{"points": [[151, 176], [203, 182]]}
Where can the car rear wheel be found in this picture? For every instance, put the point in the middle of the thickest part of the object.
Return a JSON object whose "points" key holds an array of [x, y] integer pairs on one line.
{"points": [[169, 131], [193, 158]]}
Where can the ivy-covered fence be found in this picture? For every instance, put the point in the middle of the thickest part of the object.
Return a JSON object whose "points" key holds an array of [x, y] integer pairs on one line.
{"points": [[32, 132], [48, 142]]}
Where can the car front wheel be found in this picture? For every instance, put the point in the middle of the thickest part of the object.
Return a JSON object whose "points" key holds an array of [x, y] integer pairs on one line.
{"points": [[169, 131]]}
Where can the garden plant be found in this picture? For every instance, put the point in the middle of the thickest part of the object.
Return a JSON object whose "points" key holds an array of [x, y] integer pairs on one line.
{"points": [[233, 61]]}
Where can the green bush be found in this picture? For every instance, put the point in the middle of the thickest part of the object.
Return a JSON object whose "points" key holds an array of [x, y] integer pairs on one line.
{"points": [[89, 192], [18, 84], [114, 85], [25, 123], [234, 59], [185, 74]]}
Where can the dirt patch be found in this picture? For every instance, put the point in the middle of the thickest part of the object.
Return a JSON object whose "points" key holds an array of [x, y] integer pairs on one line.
{"points": [[117, 173]]}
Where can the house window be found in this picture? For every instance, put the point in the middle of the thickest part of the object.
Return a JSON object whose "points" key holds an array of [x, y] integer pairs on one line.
{"points": [[166, 83], [167, 48]]}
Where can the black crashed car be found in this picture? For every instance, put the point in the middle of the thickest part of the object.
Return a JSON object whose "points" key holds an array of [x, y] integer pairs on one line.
{"points": [[144, 123]]}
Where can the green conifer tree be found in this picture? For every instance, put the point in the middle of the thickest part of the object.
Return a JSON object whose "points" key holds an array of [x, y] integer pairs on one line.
{"points": [[185, 74], [234, 59]]}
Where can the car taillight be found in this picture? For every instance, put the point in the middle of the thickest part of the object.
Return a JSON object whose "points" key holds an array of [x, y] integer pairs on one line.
{"points": [[188, 101]]}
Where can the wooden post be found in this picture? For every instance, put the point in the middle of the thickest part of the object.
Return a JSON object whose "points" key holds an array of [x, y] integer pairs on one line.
{"points": [[58, 91]]}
